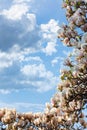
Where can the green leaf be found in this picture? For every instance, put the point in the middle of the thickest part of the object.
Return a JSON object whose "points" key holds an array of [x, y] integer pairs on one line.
{"points": [[63, 77], [67, 1]]}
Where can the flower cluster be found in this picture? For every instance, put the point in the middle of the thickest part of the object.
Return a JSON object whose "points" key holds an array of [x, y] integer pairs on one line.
{"points": [[66, 109]]}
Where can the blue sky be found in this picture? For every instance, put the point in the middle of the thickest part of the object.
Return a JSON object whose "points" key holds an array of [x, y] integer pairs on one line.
{"points": [[30, 53]]}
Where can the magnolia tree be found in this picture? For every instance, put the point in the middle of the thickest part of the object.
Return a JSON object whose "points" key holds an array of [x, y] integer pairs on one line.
{"points": [[67, 110]]}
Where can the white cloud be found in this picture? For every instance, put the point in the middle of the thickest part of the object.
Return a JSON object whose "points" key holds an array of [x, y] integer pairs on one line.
{"points": [[49, 34], [50, 27], [18, 56], [57, 60], [50, 48], [50, 30], [31, 58], [38, 77], [18, 26], [32, 20], [2, 91], [15, 12], [24, 33], [34, 70], [7, 59]]}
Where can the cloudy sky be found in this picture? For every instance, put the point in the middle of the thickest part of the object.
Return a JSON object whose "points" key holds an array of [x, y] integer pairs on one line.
{"points": [[30, 53]]}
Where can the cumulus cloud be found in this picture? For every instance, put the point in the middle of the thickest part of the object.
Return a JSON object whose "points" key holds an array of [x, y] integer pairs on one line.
{"points": [[50, 48], [7, 59], [22, 33], [18, 26], [49, 34], [50, 27], [16, 56], [38, 77], [15, 12]]}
